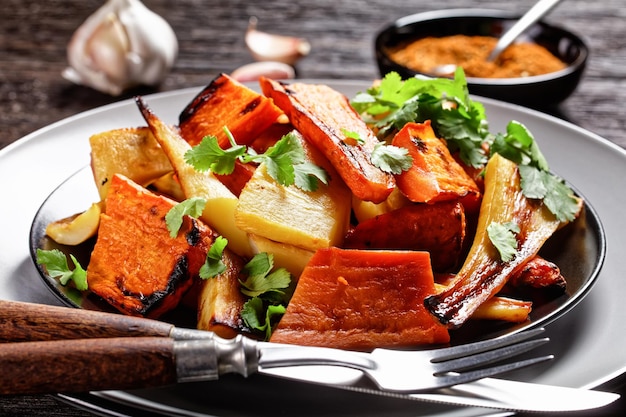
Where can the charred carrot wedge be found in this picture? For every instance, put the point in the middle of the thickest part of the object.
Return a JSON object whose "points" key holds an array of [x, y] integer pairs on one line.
{"points": [[227, 102], [360, 300], [436, 228], [325, 118], [435, 175]]}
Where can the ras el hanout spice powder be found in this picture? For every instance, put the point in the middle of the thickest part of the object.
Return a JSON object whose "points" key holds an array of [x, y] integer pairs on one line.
{"points": [[471, 52]]}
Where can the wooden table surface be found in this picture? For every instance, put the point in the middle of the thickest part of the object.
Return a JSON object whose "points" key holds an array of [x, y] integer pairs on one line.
{"points": [[34, 36]]}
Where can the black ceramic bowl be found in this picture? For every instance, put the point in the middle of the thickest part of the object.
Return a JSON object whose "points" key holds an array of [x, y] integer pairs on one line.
{"points": [[538, 91]]}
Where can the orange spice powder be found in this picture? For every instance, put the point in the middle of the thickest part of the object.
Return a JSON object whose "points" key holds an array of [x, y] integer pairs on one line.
{"points": [[470, 52]]}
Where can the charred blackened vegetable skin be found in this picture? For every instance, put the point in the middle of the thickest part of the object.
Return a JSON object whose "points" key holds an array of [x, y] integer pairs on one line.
{"points": [[483, 274]]}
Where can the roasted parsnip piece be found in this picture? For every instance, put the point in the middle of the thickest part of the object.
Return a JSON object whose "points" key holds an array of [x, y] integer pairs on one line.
{"points": [[484, 273]]}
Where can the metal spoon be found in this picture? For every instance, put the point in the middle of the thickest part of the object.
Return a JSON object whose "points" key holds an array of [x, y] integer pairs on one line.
{"points": [[540, 9]]}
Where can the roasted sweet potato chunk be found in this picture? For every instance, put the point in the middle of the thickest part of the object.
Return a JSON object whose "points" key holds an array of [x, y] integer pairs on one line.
{"points": [[435, 174], [227, 102], [436, 228], [325, 117], [135, 265], [360, 300]]}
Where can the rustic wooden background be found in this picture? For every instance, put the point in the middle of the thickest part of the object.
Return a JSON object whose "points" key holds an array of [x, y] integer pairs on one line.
{"points": [[34, 35]]}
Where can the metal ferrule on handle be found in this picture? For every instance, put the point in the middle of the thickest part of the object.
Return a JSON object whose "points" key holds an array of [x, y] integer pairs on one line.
{"points": [[207, 358]]}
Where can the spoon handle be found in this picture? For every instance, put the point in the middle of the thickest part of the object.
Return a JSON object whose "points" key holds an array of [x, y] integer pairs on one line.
{"points": [[540, 9], [20, 322]]}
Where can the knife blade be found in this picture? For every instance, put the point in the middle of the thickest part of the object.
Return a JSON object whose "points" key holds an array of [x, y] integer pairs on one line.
{"points": [[491, 393]]}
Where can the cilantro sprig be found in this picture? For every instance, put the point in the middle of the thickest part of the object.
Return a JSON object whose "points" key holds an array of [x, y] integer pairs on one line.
{"points": [[213, 264], [268, 290], [393, 103], [285, 161], [57, 266]]}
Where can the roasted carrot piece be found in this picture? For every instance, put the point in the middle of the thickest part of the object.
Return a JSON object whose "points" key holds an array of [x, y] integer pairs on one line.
{"points": [[135, 265], [360, 300], [324, 116], [435, 228], [435, 174], [227, 102]]}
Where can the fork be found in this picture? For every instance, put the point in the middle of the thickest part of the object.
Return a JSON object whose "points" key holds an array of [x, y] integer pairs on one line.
{"points": [[58, 349]]}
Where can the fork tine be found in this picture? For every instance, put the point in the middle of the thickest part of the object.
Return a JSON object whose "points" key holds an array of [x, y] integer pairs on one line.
{"points": [[460, 351], [490, 356], [464, 377]]}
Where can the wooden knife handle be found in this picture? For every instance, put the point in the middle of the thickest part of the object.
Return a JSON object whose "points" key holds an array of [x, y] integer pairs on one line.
{"points": [[85, 365], [20, 321]]}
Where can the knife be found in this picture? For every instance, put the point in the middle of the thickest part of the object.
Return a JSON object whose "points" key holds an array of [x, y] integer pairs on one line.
{"points": [[159, 354]]}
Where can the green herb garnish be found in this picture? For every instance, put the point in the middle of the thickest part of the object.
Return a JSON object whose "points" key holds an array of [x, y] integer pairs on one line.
{"points": [[214, 265], [191, 207], [502, 236], [285, 161], [56, 265], [391, 159], [445, 102]]}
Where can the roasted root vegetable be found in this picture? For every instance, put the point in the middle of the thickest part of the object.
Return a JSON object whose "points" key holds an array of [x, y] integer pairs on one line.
{"points": [[539, 273], [219, 212], [360, 300], [436, 228], [220, 300], [504, 309], [135, 265], [287, 214], [326, 119], [484, 273], [132, 152], [226, 102], [78, 228], [434, 175]]}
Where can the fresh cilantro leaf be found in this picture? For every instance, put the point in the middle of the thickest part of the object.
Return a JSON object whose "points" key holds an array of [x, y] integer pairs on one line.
{"points": [[502, 236], [56, 265], [446, 102], [214, 265], [308, 176], [392, 159], [259, 316], [352, 138], [556, 195], [260, 280], [519, 146], [208, 155], [191, 207]]}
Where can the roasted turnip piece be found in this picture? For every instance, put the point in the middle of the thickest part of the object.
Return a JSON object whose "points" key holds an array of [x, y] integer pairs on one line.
{"points": [[326, 119], [362, 299], [484, 273]]}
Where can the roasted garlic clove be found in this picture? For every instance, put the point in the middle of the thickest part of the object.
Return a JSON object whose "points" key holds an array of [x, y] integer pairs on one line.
{"points": [[122, 45], [270, 47]]}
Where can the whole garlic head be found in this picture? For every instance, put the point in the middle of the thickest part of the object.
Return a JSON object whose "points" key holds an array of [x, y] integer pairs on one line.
{"points": [[122, 45]]}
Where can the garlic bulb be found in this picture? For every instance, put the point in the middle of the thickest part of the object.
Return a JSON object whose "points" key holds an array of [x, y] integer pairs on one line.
{"points": [[122, 45], [269, 47]]}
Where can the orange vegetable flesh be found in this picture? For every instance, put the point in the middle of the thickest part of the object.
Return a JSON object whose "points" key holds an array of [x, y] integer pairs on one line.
{"points": [[360, 300], [435, 228], [135, 265], [435, 175], [227, 102], [324, 116]]}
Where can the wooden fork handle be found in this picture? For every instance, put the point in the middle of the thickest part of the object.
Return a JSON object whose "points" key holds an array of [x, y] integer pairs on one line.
{"points": [[20, 321], [85, 365]]}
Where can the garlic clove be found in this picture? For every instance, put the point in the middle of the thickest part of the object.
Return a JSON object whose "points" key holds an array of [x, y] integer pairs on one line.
{"points": [[270, 47], [121, 45], [270, 69]]}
